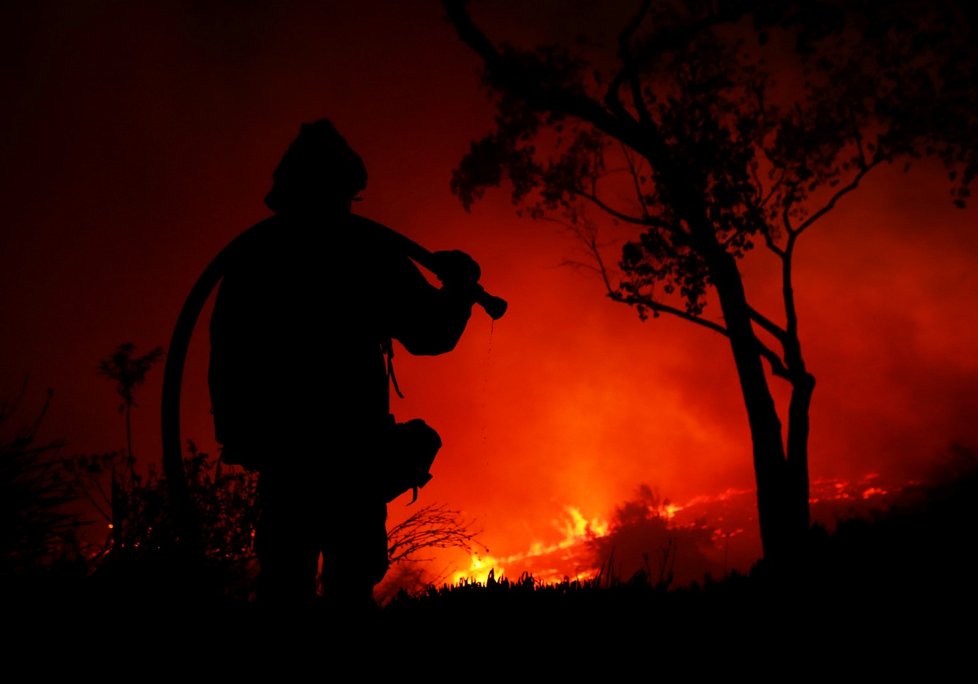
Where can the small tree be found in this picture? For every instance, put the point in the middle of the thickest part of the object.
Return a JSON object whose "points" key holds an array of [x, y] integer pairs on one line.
{"points": [[434, 526], [36, 526], [129, 372], [644, 545], [731, 124]]}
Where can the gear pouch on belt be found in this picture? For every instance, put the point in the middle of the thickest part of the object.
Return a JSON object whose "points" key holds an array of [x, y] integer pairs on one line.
{"points": [[407, 452]]}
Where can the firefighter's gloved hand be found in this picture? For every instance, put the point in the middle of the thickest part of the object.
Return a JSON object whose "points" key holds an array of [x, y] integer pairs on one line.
{"points": [[455, 268]]}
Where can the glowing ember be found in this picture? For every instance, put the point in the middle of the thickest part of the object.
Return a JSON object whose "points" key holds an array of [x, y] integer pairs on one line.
{"points": [[669, 510]]}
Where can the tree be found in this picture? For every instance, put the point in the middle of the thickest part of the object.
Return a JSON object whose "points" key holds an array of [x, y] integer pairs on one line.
{"points": [[434, 526], [732, 124], [129, 372], [643, 545], [36, 527]]}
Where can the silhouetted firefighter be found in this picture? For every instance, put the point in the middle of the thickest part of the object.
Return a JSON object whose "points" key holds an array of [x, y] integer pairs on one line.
{"points": [[300, 367]]}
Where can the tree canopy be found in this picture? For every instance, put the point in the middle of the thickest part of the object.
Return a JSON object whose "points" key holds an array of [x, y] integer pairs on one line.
{"points": [[766, 113], [713, 127]]}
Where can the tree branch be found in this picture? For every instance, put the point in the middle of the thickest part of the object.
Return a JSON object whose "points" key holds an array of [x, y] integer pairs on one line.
{"points": [[659, 307], [792, 346], [434, 526], [777, 365], [611, 210], [769, 240], [638, 300], [774, 189], [860, 149], [676, 36], [574, 263], [788, 294], [836, 197], [508, 75], [785, 218], [636, 183], [764, 227], [767, 324], [629, 69]]}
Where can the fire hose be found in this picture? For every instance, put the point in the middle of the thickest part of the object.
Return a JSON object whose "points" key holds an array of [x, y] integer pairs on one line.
{"points": [[185, 519]]}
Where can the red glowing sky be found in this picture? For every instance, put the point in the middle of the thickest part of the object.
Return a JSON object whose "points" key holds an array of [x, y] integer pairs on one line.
{"points": [[140, 138]]}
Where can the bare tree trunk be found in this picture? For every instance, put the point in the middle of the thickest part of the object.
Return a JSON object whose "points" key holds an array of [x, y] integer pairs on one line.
{"points": [[130, 458], [798, 431], [782, 489]]}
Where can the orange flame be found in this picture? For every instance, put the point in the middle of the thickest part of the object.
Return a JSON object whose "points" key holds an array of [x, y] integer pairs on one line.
{"points": [[577, 529]]}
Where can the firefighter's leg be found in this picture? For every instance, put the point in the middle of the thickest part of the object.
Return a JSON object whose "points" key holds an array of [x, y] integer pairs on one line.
{"points": [[286, 545], [355, 555]]}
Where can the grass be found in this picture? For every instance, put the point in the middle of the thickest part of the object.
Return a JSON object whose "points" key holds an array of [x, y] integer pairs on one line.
{"points": [[894, 588]]}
